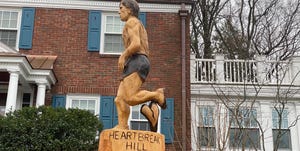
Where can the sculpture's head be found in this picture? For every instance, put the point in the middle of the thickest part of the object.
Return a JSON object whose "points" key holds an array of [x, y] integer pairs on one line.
{"points": [[132, 5]]}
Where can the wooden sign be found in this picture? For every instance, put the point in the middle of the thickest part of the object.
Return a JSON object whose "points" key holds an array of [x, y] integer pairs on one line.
{"points": [[131, 140]]}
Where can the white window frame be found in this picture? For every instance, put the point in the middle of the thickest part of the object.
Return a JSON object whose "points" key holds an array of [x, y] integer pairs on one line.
{"points": [[283, 127], [243, 118], [250, 127], [200, 124], [103, 27], [143, 120], [18, 28], [198, 104], [71, 97]]}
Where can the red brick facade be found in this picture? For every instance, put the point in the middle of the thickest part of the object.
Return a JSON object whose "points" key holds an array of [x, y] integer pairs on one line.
{"points": [[63, 32]]}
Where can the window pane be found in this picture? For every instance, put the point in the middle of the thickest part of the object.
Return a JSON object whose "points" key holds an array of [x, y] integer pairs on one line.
{"points": [[13, 23], [206, 116], [114, 24], [139, 125], [75, 104], [14, 20], [244, 118], [14, 16], [1, 13], [135, 115], [113, 43], [8, 28], [26, 100], [6, 15], [253, 116], [3, 97], [116, 28], [244, 138], [5, 19], [8, 37], [134, 125], [138, 121], [83, 104], [135, 111], [207, 136], [281, 139], [109, 20], [91, 104], [280, 115]]}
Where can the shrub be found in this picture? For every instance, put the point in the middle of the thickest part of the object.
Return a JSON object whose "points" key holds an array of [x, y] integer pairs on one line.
{"points": [[47, 128]]}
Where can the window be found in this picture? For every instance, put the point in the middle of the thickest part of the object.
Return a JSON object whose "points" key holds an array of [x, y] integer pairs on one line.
{"points": [[206, 129], [281, 132], [244, 130], [26, 100], [112, 42], [2, 103], [90, 103], [138, 120], [9, 26]]}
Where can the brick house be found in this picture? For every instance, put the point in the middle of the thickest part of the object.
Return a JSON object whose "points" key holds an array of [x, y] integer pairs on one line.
{"points": [[65, 53]]}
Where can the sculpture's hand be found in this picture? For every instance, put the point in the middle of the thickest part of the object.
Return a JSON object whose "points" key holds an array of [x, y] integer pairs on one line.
{"points": [[121, 62]]}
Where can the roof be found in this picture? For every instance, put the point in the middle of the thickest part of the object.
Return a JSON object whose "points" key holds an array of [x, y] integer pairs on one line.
{"points": [[36, 61], [41, 61]]}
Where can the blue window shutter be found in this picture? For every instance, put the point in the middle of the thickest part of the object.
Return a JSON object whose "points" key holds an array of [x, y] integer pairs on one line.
{"points": [[27, 23], [142, 17], [94, 30], [115, 114], [167, 121], [108, 112], [59, 101]]}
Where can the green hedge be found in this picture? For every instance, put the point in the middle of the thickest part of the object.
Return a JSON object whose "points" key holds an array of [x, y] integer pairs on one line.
{"points": [[47, 128]]}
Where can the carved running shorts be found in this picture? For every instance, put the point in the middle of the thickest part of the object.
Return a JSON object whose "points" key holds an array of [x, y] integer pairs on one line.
{"points": [[137, 63]]}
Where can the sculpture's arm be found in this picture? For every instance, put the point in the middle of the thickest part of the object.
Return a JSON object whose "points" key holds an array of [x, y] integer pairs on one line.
{"points": [[134, 46], [134, 38]]}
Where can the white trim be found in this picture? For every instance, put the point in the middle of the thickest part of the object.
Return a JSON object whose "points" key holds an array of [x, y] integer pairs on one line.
{"points": [[142, 120], [90, 5], [103, 28], [3, 47], [11, 100], [70, 97], [41, 93], [30, 75]]}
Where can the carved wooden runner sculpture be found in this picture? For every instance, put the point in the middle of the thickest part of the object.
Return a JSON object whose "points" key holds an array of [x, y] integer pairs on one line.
{"points": [[134, 65]]}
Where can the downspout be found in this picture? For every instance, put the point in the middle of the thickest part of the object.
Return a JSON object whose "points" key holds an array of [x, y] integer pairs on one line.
{"points": [[183, 13]]}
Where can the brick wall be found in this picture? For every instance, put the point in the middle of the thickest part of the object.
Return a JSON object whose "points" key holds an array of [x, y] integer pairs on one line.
{"points": [[63, 33]]}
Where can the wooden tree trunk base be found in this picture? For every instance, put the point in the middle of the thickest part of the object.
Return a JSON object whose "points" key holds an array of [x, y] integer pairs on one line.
{"points": [[131, 140]]}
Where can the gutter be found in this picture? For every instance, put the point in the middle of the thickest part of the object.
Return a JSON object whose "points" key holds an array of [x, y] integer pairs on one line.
{"points": [[183, 13]]}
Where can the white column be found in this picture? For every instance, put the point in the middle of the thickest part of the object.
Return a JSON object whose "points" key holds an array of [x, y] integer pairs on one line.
{"points": [[295, 68], [222, 127], [295, 131], [266, 124], [192, 68], [220, 68], [194, 121], [40, 99], [261, 73], [11, 99], [19, 98]]}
